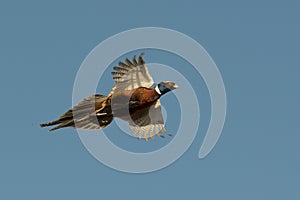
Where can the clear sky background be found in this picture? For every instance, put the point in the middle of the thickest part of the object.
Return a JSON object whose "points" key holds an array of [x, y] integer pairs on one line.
{"points": [[256, 47]]}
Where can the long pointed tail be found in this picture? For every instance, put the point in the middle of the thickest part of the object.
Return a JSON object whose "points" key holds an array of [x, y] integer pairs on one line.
{"points": [[61, 124], [50, 123], [93, 112]]}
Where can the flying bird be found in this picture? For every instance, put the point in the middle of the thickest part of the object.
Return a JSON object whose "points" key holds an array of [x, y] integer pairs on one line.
{"points": [[131, 99]]}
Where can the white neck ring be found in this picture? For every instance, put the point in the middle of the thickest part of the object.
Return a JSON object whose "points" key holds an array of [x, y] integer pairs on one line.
{"points": [[157, 90]]}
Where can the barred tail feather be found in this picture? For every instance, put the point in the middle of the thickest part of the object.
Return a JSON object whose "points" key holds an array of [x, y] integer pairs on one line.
{"points": [[93, 112], [61, 123], [69, 123], [50, 123]]}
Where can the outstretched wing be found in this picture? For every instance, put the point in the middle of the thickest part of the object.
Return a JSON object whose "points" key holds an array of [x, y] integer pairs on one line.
{"points": [[131, 75], [148, 124]]}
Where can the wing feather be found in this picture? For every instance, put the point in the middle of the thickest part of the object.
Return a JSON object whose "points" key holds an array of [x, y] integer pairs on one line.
{"points": [[131, 75], [150, 124]]}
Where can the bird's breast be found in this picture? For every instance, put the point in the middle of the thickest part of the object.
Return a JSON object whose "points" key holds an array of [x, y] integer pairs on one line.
{"points": [[127, 103]]}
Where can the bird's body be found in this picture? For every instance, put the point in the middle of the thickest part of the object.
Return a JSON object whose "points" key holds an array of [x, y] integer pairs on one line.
{"points": [[139, 101], [130, 100]]}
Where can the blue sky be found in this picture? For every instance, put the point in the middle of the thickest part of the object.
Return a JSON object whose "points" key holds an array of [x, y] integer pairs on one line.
{"points": [[256, 47]]}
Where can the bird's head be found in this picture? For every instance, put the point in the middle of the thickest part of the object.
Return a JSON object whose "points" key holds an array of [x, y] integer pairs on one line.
{"points": [[165, 86]]}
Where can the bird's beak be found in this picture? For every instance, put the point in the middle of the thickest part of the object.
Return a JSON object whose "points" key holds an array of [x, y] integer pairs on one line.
{"points": [[175, 86]]}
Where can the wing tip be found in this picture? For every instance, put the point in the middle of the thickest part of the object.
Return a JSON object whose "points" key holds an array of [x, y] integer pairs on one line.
{"points": [[140, 59]]}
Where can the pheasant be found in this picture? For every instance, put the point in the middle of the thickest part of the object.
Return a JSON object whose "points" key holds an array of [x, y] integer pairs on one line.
{"points": [[131, 99]]}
